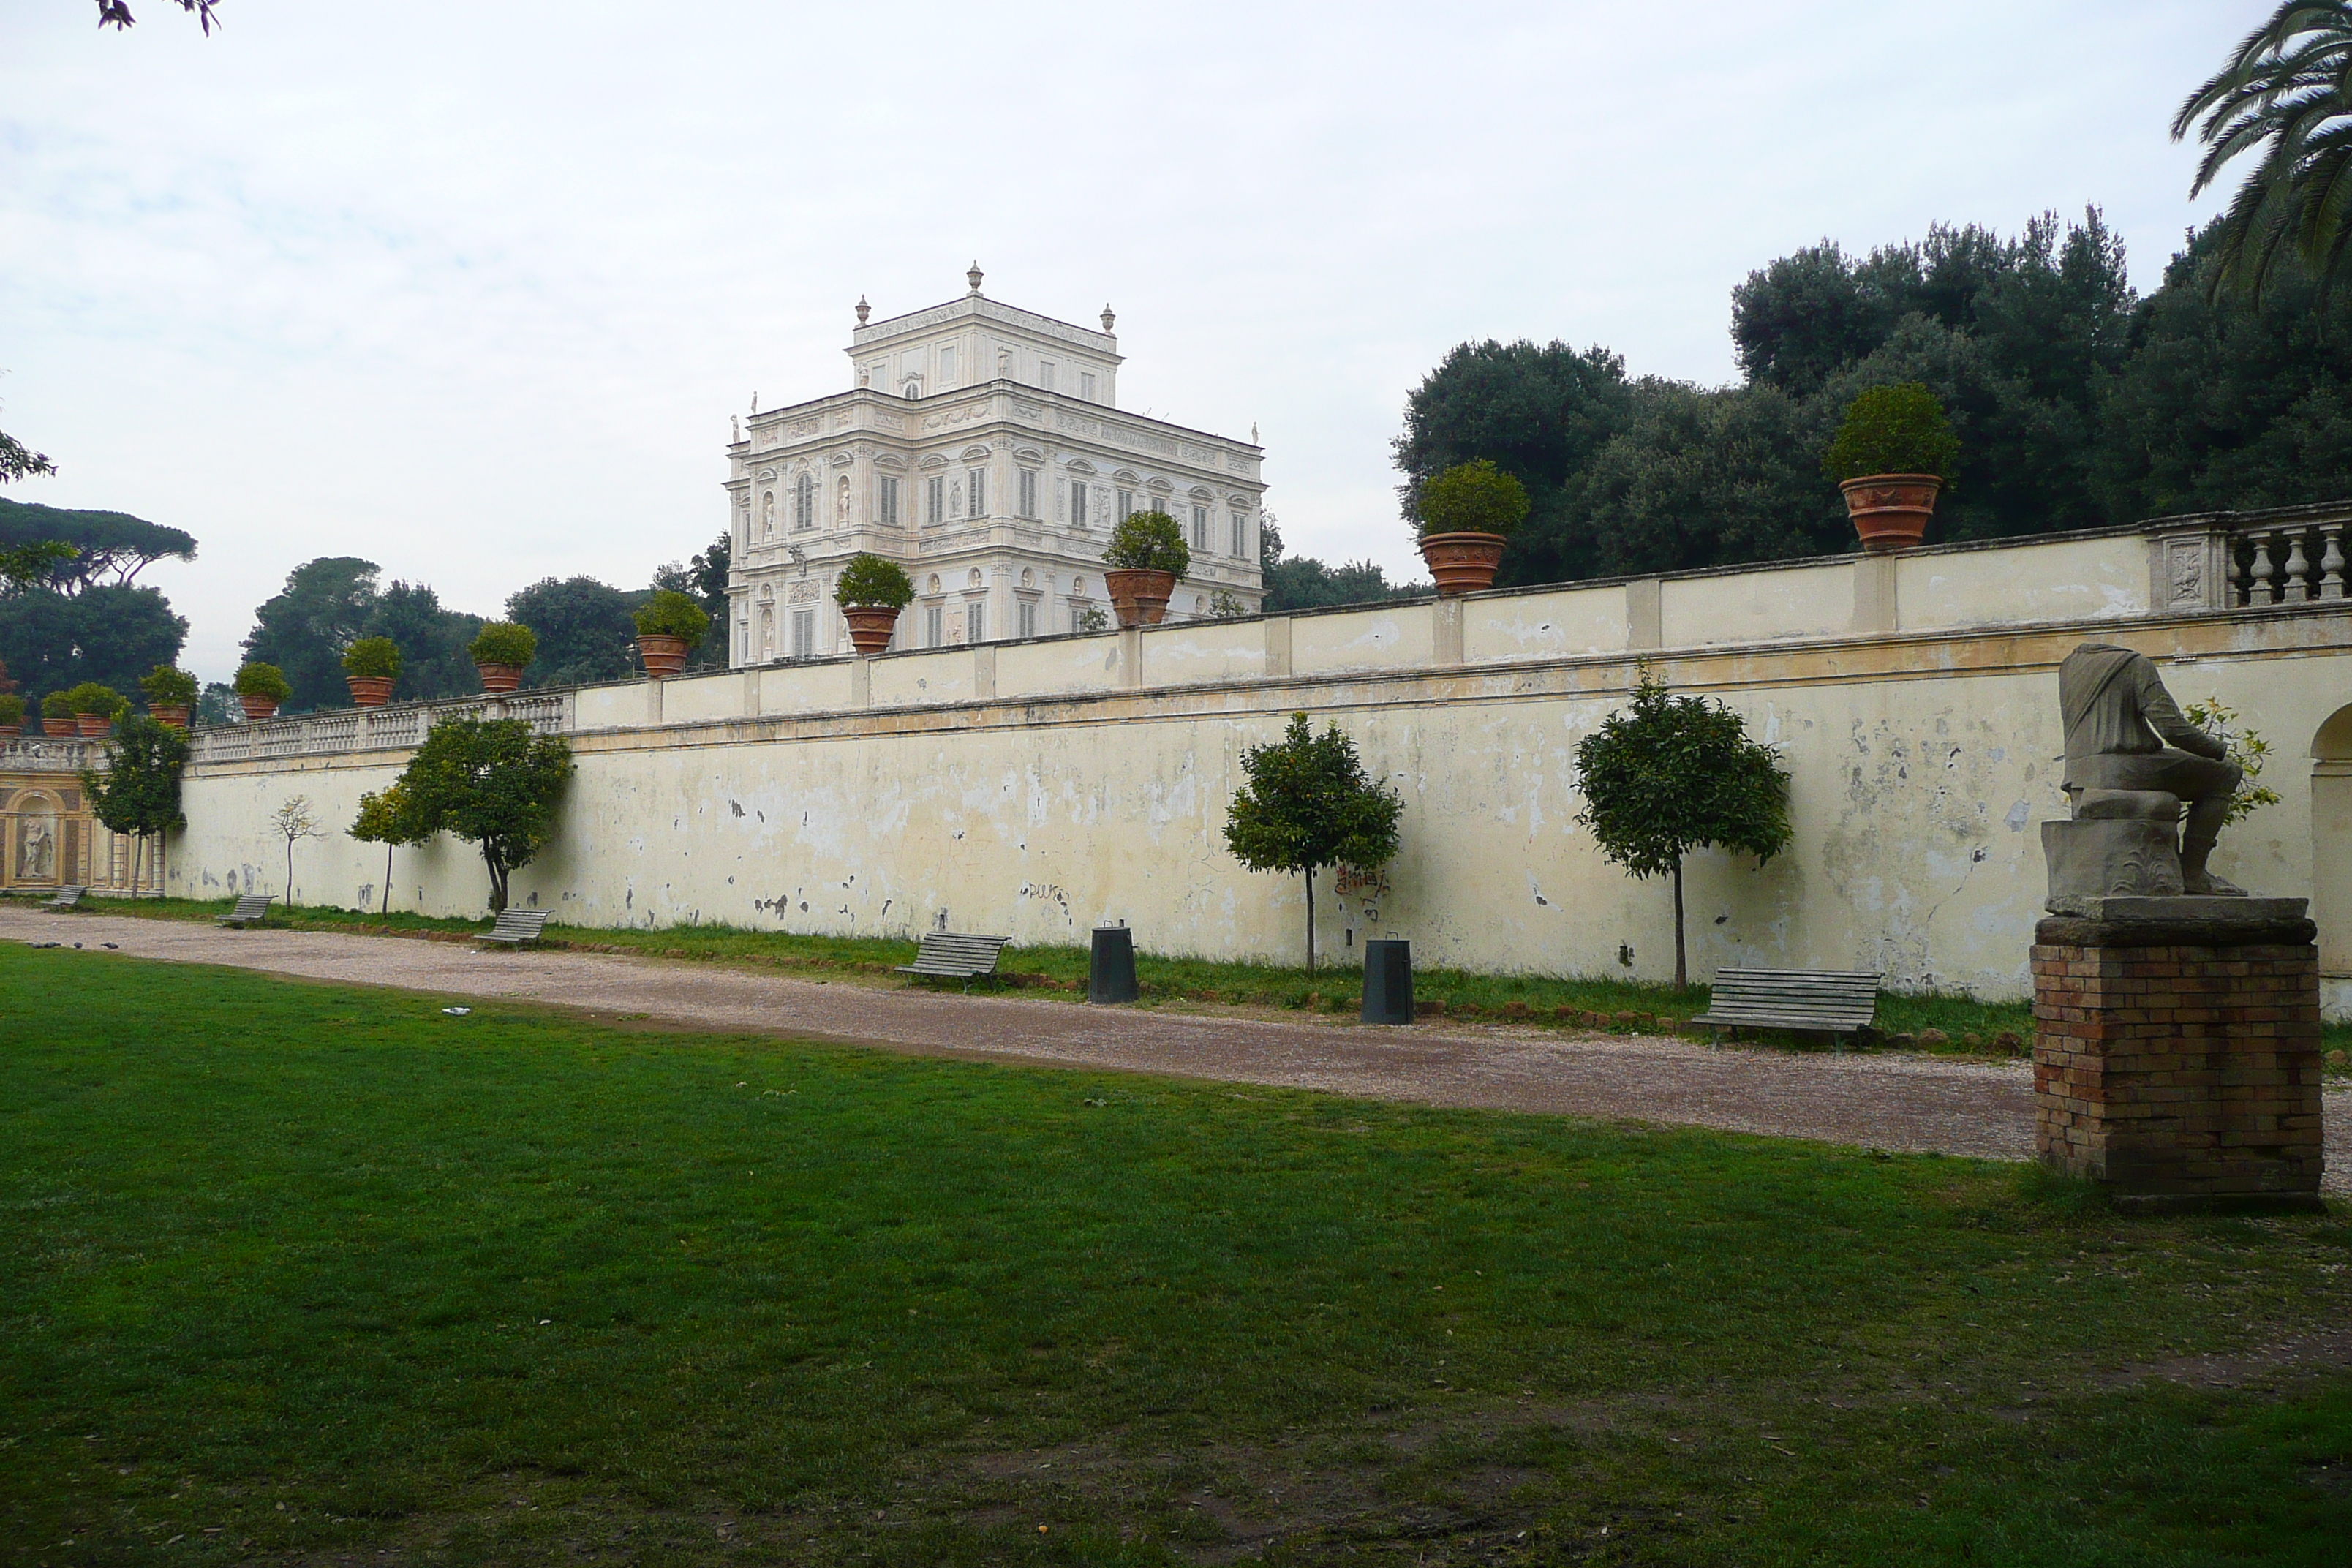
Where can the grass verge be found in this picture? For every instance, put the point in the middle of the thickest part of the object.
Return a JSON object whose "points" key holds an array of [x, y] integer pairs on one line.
{"points": [[305, 1273]]}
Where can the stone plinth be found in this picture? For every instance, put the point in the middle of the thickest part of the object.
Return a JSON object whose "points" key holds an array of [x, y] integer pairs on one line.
{"points": [[2176, 1052]]}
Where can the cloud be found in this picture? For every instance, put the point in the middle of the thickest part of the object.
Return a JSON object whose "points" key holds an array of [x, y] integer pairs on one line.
{"points": [[471, 291]]}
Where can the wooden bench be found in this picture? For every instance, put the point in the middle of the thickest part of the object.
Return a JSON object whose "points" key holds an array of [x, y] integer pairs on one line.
{"points": [[250, 908], [1836, 1003], [67, 899], [516, 927], [948, 955]]}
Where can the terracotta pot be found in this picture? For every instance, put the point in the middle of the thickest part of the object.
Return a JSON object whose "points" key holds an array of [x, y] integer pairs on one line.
{"points": [[370, 690], [1139, 598], [1890, 511], [869, 626], [257, 709], [500, 677], [664, 657], [10, 731], [90, 726], [1462, 563], [171, 715]]}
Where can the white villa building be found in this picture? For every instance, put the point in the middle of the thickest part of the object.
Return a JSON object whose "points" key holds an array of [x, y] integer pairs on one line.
{"points": [[979, 447]]}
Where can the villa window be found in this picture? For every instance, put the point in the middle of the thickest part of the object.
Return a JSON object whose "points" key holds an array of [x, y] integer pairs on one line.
{"points": [[1085, 387], [1126, 505], [803, 632], [886, 500], [947, 368], [804, 503], [936, 508], [1028, 617], [1200, 528], [934, 626], [1045, 374], [975, 622], [1029, 493], [1241, 535], [976, 490]]}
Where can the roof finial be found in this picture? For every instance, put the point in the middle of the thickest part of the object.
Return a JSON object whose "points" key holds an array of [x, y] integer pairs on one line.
{"points": [[1110, 321], [973, 278], [864, 309]]}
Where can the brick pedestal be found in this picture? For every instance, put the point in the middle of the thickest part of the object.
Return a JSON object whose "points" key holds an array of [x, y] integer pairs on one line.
{"points": [[2177, 1059]]}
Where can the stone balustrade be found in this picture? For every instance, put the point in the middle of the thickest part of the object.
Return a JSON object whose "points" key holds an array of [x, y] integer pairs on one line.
{"points": [[338, 730], [50, 754], [2210, 564]]}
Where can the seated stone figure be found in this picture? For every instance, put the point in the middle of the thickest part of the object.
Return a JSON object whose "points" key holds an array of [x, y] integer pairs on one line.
{"points": [[2119, 720]]}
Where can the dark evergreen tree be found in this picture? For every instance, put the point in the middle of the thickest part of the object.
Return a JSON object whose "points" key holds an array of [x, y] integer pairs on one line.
{"points": [[110, 635], [585, 629], [305, 626]]}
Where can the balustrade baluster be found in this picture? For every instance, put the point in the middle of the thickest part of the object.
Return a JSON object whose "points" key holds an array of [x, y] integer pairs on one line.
{"points": [[2331, 561], [2296, 586], [2263, 589]]}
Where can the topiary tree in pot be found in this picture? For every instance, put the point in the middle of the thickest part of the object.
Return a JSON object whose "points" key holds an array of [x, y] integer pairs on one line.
{"points": [[501, 651], [170, 693], [12, 714], [872, 591], [260, 688], [1146, 555], [670, 626], [371, 665], [1464, 516], [95, 708], [56, 714], [1893, 452]]}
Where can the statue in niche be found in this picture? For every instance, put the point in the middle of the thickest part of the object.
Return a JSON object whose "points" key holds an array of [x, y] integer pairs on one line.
{"points": [[841, 502], [36, 850], [2131, 757], [768, 515]]}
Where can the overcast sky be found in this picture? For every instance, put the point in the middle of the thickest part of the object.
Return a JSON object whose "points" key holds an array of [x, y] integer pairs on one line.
{"points": [[471, 289]]}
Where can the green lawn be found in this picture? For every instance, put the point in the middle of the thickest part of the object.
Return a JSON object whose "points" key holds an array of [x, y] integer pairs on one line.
{"points": [[1998, 1028], [304, 1273]]}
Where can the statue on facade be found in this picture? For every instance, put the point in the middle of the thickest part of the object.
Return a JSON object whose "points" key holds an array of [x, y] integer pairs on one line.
{"points": [[36, 852], [2133, 763]]}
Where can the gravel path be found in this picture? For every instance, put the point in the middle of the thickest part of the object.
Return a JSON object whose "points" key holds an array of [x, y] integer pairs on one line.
{"points": [[1883, 1100]]}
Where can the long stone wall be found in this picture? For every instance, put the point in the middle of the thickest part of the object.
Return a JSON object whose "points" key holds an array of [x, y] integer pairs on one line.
{"points": [[1038, 788]]}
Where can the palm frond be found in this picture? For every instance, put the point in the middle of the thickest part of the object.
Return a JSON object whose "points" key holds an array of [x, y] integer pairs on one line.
{"points": [[2285, 97]]}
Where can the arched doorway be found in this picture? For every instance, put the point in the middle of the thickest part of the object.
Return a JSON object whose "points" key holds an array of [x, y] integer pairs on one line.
{"points": [[2331, 842]]}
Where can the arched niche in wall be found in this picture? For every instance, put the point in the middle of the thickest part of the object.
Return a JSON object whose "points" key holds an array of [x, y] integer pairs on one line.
{"points": [[2331, 841]]}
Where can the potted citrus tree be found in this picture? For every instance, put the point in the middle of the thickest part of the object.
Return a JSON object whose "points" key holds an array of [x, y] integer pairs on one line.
{"points": [[371, 665], [171, 693], [12, 714], [872, 591], [501, 651], [1892, 454], [56, 714], [1147, 554], [669, 627], [94, 707], [1464, 516], [260, 688]]}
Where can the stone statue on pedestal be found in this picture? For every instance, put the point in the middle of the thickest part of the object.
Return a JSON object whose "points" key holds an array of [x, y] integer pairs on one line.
{"points": [[2133, 762]]}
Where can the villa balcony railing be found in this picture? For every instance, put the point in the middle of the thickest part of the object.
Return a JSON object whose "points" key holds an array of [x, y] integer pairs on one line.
{"points": [[372, 729]]}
